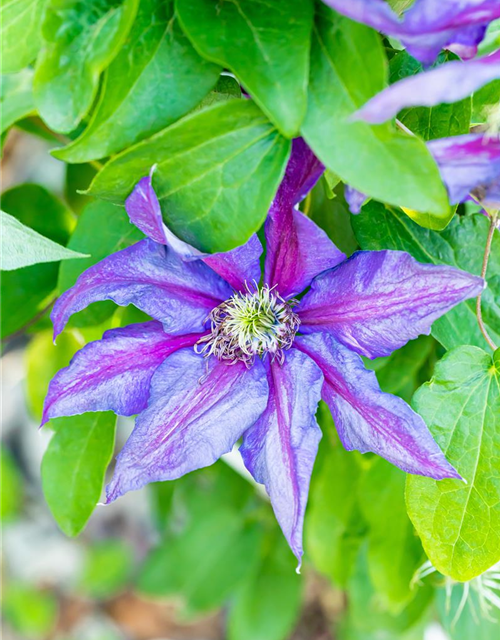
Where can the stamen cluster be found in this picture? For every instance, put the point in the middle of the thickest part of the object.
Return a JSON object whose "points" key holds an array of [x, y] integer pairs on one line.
{"points": [[250, 324]]}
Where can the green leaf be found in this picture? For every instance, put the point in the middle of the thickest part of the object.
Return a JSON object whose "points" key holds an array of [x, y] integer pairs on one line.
{"points": [[268, 605], [20, 32], [115, 233], [265, 44], [440, 121], [217, 172], [74, 465], [16, 97], [366, 613], [23, 246], [348, 67], [485, 102], [81, 38], [394, 551], [31, 612], [458, 522], [334, 527], [11, 487], [155, 79], [461, 245], [26, 291], [107, 569], [227, 88]]}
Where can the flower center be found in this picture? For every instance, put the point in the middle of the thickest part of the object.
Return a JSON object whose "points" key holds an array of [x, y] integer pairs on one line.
{"points": [[250, 324]]}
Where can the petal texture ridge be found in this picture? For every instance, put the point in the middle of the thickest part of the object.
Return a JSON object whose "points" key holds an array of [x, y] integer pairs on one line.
{"points": [[376, 301], [367, 419], [291, 263], [112, 374], [155, 280], [280, 449], [196, 413]]}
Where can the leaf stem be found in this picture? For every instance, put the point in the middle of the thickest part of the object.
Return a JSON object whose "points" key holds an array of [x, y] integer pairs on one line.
{"points": [[487, 250], [31, 322]]}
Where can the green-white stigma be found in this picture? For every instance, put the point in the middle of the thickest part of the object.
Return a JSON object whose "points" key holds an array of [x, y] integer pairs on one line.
{"points": [[250, 324]]}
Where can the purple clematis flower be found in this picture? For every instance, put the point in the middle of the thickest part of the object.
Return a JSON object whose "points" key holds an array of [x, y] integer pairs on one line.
{"points": [[428, 25], [448, 83], [229, 357]]}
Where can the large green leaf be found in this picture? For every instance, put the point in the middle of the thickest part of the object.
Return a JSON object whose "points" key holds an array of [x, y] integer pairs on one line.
{"points": [[16, 97], [394, 551], [440, 121], [461, 245], [24, 292], [20, 32], [21, 246], [155, 79], [217, 172], [74, 465], [267, 605], [348, 67], [459, 522], [102, 229], [265, 44], [81, 39], [335, 527]]}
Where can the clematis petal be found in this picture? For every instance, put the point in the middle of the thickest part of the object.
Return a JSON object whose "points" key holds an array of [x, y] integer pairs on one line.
{"points": [[446, 84], [355, 199], [302, 172], [368, 419], [197, 410], [113, 374], [144, 211], [238, 266], [280, 448], [428, 25], [155, 280], [468, 163], [378, 300], [290, 264]]}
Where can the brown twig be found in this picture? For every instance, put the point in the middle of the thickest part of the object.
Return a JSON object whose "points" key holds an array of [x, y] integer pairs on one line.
{"points": [[487, 250]]}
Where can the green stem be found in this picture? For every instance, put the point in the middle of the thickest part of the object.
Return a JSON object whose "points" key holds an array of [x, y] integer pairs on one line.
{"points": [[487, 250]]}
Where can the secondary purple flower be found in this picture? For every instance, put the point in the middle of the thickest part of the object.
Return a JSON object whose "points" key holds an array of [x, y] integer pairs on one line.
{"points": [[224, 360], [469, 166], [446, 84], [428, 25]]}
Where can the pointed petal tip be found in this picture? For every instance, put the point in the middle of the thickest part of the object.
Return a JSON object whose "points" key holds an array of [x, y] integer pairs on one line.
{"points": [[299, 566]]}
